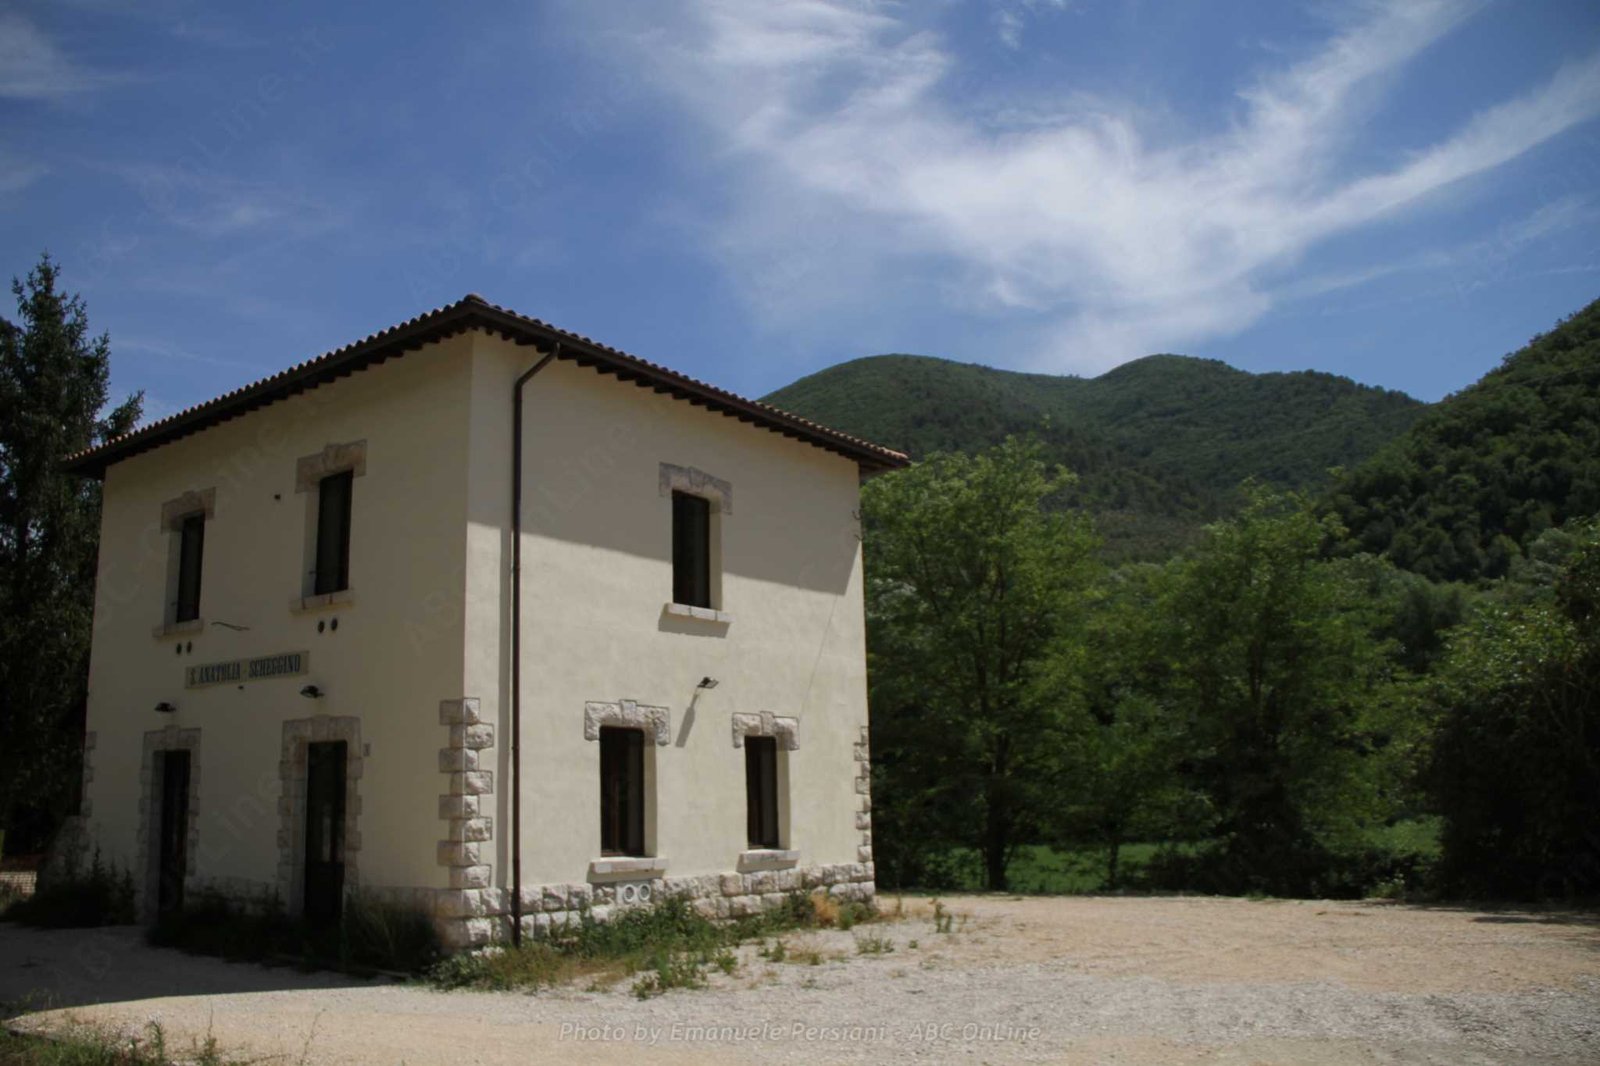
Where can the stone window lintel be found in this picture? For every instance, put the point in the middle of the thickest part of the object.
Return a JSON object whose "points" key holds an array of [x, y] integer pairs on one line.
{"points": [[767, 724], [627, 714], [195, 501], [309, 470], [673, 478]]}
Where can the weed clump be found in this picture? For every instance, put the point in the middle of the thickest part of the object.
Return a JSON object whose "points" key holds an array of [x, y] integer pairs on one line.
{"points": [[668, 945], [102, 895], [372, 934]]}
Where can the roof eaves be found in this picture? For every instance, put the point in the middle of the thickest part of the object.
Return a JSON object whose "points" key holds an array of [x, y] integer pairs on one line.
{"points": [[470, 312]]}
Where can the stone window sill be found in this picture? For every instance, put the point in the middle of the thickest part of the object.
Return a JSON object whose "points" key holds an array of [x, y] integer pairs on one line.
{"points": [[619, 869], [342, 598], [699, 614], [767, 859], [178, 629]]}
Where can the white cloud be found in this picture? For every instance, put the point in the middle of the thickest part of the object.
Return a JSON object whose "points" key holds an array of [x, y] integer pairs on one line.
{"points": [[852, 159], [17, 174], [214, 205], [1011, 17], [163, 350], [32, 67]]}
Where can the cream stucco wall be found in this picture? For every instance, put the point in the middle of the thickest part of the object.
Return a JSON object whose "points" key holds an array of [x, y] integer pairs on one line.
{"points": [[395, 654], [596, 576], [430, 561]]}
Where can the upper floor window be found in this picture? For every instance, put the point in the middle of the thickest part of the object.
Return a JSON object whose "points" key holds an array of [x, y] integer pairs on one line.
{"points": [[701, 504], [332, 573], [191, 551], [184, 519], [327, 480], [691, 550]]}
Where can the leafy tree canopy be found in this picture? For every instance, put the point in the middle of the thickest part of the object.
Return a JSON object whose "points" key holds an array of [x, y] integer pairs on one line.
{"points": [[972, 581], [53, 395], [1484, 473]]}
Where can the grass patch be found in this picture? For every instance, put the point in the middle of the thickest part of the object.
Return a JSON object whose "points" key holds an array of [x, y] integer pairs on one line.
{"points": [[372, 935], [84, 1046], [1386, 861], [99, 896], [665, 946], [1045, 870], [874, 944]]}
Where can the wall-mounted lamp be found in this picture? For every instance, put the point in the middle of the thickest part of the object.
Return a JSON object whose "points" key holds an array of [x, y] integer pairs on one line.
{"points": [[707, 682], [166, 708], [311, 692]]}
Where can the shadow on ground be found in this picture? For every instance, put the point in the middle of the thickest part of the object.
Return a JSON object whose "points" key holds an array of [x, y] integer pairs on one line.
{"points": [[47, 969]]}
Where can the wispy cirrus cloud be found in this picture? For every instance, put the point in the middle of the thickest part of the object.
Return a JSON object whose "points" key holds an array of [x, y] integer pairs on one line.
{"points": [[216, 205], [1106, 239], [17, 174], [34, 67], [1011, 17]]}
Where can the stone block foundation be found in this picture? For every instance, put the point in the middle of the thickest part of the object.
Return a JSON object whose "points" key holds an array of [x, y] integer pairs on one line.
{"points": [[475, 916]]}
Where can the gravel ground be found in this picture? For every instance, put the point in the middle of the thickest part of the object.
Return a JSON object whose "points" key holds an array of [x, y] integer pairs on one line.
{"points": [[1141, 982]]}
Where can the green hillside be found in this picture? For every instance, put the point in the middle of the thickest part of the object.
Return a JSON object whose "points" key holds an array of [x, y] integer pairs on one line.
{"points": [[1487, 470], [1159, 444]]}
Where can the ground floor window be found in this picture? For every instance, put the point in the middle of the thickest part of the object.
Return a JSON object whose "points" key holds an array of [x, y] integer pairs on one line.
{"points": [[622, 796], [761, 791]]}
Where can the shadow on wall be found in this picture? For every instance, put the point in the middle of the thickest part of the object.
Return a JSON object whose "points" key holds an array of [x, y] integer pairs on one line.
{"points": [[606, 487], [798, 544]]}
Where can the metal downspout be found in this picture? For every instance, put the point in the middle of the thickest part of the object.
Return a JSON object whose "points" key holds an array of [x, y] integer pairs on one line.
{"points": [[516, 644]]}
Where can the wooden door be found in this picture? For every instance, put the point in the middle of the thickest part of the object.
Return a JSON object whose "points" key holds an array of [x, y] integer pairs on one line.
{"points": [[324, 856], [173, 858]]}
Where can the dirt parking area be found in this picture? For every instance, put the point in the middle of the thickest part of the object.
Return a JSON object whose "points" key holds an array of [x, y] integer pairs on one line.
{"points": [[1140, 982]]}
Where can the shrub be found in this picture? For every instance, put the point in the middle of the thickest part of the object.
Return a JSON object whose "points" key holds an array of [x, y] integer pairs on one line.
{"points": [[536, 964], [212, 925], [668, 970], [372, 934], [390, 936], [100, 896]]}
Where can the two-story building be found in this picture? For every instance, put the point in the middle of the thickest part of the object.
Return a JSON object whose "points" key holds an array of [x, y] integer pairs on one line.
{"points": [[482, 616]]}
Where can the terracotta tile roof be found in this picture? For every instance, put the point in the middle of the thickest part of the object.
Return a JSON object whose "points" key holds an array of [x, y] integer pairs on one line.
{"points": [[474, 312]]}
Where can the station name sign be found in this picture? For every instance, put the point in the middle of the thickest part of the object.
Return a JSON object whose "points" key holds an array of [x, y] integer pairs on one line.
{"points": [[238, 671]]}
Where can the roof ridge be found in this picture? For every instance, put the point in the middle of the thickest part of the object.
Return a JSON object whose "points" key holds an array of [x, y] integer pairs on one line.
{"points": [[320, 369]]}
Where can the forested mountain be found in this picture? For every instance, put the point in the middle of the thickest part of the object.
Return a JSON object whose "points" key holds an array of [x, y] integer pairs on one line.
{"points": [[1160, 444], [1487, 470]]}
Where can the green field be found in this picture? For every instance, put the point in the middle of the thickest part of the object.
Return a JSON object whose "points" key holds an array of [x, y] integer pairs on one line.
{"points": [[1046, 870], [1039, 868]]}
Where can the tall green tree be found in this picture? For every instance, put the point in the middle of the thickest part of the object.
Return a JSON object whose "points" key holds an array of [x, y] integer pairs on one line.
{"points": [[1282, 684], [972, 579], [1124, 745], [1516, 761], [53, 396]]}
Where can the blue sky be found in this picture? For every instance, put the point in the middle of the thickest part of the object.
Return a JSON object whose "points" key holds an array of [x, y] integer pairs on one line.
{"points": [[1397, 191]]}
